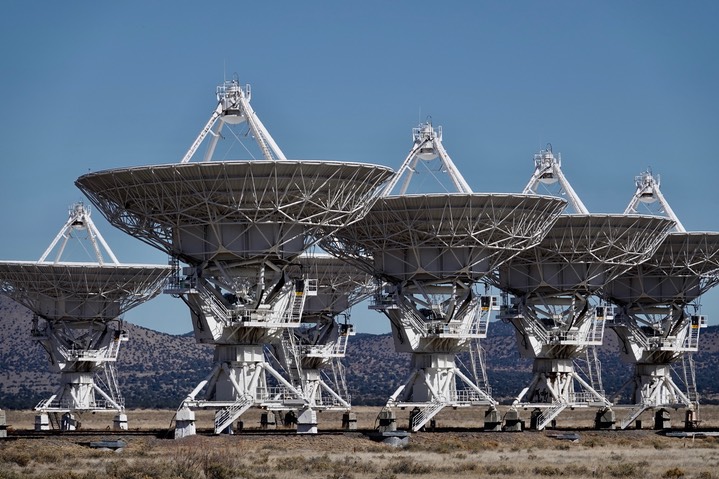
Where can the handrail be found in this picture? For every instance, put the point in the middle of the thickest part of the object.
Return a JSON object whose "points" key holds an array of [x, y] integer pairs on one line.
{"points": [[549, 414], [425, 415], [227, 416], [53, 403]]}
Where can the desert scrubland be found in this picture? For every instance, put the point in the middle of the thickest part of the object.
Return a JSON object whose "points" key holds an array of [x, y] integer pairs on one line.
{"points": [[457, 449]]}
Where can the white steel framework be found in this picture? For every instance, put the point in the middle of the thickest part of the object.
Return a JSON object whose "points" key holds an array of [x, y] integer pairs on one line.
{"points": [[239, 226], [77, 310], [427, 156], [658, 310], [648, 199], [233, 108], [312, 354], [549, 179], [430, 251], [554, 309]]}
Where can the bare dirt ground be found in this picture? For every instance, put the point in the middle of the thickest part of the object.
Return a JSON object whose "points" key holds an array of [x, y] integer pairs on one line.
{"points": [[459, 449]]}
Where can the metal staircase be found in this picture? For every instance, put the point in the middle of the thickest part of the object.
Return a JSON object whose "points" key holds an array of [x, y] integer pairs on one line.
{"points": [[477, 357], [549, 414], [535, 329], [294, 315], [634, 413], [595, 334], [425, 415], [410, 319], [225, 417], [592, 369], [45, 403], [341, 345], [690, 380], [635, 334], [213, 307], [292, 360]]}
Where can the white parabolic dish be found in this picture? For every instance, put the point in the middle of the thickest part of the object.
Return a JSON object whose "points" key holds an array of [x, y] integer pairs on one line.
{"points": [[80, 291], [441, 236], [234, 210]]}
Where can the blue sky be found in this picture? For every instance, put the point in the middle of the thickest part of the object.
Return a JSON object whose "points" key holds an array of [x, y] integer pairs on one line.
{"points": [[615, 86]]}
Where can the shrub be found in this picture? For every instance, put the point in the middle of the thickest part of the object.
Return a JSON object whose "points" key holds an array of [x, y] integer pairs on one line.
{"points": [[307, 465], [69, 475], [408, 466], [463, 467], [628, 469], [547, 471], [674, 473], [659, 445], [500, 469], [144, 469], [355, 465], [6, 474], [219, 471], [576, 470], [21, 458]]}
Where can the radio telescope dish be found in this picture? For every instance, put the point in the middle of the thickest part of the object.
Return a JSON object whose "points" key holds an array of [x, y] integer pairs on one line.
{"points": [[240, 227], [557, 320], [77, 308], [658, 310], [581, 253], [658, 319], [439, 236], [234, 211], [80, 292], [685, 266], [431, 250]]}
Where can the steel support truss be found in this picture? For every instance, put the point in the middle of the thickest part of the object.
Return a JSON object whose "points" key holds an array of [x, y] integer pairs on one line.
{"points": [[559, 333], [435, 327], [312, 354], [239, 312], [84, 353], [656, 343]]}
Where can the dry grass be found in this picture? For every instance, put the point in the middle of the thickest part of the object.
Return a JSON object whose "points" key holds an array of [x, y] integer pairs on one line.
{"points": [[453, 454], [430, 455]]}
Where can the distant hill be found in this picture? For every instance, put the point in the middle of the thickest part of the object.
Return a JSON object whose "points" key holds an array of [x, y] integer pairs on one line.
{"points": [[158, 370]]}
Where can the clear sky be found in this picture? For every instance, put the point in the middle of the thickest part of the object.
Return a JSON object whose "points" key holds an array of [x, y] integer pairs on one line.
{"points": [[615, 86]]}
